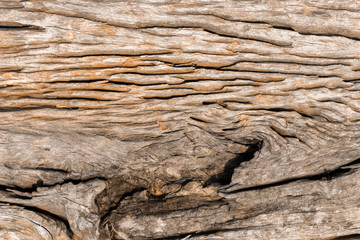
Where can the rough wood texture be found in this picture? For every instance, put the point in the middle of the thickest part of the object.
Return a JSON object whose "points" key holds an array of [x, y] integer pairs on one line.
{"points": [[208, 119]]}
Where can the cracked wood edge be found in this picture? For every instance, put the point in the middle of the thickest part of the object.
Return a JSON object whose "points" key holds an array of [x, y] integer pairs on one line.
{"points": [[113, 106]]}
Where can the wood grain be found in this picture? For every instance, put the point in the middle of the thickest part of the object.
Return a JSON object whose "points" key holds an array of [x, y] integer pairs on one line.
{"points": [[201, 119]]}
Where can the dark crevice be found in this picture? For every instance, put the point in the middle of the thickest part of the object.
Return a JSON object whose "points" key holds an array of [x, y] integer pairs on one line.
{"points": [[98, 89], [51, 98], [229, 79], [355, 162], [247, 21], [79, 81], [329, 35], [18, 109], [199, 119], [209, 102], [329, 76], [230, 129], [284, 28], [45, 213], [10, 69], [159, 26], [346, 237], [233, 101], [224, 177], [275, 109], [78, 181], [169, 72], [19, 27], [92, 89], [48, 169], [24, 197], [333, 174], [115, 54], [326, 175], [40, 183], [77, 98], [129, 83]]}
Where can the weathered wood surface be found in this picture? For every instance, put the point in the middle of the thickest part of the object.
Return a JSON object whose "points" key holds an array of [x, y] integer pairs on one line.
{"points": [[206, 119]]}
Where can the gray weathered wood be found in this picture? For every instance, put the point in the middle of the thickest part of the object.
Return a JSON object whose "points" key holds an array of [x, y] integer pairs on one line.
{"points": [[206, 119]]}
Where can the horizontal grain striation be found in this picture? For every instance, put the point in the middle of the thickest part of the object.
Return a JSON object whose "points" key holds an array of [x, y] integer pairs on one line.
{"points": [[77, 71], [84, 63]]}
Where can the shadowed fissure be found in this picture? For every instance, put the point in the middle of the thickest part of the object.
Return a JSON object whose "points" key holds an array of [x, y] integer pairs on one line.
{"points": [[224, 177], [347, 237], [327, 175]]}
